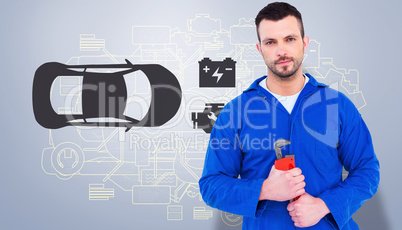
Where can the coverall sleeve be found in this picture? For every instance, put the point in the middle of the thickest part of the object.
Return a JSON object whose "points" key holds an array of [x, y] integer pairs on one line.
{"points": [[356, 152], [220, 185]]}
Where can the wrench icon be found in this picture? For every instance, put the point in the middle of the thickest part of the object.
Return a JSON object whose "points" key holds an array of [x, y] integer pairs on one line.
{"points": [[212, 116]]}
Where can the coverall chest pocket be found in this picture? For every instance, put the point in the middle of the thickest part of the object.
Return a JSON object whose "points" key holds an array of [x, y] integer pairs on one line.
{"points": [[326, 152]]}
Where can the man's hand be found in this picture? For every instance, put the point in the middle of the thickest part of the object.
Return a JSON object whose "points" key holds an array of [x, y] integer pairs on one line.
{"points": [[283, 185], [307, 210]]}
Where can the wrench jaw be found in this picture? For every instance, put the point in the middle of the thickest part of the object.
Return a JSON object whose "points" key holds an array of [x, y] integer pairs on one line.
{"points": [[283, 163], [277, 146]]}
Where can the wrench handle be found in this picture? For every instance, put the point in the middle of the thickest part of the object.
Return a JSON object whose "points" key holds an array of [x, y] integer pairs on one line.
{"points": [[285, 164]]}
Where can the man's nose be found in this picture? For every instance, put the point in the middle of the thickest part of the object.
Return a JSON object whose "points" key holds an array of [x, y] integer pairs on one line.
{"points": [[281, 50]]}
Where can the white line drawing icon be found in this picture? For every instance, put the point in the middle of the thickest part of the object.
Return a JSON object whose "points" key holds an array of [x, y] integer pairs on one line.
{"points": [[161, 167]]}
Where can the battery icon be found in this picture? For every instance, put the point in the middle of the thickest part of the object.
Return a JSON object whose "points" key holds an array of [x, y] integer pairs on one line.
{"points": [[217, 73]]}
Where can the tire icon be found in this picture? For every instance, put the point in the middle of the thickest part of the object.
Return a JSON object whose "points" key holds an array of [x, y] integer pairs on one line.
{"points": [[231, 219]]}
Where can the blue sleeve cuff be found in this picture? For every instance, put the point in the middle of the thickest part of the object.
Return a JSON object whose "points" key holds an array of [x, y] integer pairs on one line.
{"points": [[336, 213], [261, 204]]}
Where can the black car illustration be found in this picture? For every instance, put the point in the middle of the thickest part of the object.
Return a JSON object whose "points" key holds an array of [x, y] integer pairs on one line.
{"points": [[104, 95]]}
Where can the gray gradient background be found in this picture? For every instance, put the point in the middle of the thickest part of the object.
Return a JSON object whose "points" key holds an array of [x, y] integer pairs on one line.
{"points": [[362, 35]]}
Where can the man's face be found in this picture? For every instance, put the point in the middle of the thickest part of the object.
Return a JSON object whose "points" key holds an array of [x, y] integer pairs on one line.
{"points": [[282, 46]]}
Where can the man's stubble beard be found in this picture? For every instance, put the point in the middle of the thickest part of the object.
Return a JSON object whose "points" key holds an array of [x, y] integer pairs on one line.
{"points": [[286, 73]]}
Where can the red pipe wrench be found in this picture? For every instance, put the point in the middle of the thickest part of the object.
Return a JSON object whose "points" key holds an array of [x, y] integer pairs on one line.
{"points": [[283, 163]]}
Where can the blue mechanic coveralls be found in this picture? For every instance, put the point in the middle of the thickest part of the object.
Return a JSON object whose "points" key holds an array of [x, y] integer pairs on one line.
{"points": [[326, 131]]}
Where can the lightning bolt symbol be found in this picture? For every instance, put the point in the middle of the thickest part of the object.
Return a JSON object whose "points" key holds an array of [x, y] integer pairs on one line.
{"points": [[218, 75]]}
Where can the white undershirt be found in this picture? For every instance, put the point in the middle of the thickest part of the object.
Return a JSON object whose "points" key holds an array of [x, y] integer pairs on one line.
{"points": [[287, 101]]}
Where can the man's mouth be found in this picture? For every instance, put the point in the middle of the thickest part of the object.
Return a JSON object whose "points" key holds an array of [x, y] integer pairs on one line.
{"points": [[283, 62]]}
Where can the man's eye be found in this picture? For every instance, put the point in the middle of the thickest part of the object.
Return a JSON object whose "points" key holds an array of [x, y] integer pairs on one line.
{"points": [[290, 39], [269, 43]]}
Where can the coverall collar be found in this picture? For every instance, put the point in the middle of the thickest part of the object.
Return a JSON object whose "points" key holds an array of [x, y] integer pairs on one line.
{"points": [[311, 84], [309, 88]]}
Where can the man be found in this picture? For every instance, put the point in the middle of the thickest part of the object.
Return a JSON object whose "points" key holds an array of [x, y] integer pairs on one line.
{"points": [[325, 129]]}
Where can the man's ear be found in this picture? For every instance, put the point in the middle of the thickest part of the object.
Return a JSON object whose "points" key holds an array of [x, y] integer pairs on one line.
{"points": [[259, 47], [306, 41]]}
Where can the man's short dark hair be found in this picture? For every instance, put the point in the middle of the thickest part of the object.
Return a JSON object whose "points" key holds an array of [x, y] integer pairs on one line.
{"points": [[277, 11]]}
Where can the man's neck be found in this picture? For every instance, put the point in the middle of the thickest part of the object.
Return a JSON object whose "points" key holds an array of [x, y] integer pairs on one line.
{"points": [[285, 87]]}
